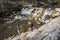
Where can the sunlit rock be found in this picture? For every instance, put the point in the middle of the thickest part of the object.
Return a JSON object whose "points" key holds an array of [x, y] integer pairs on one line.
{"points": [[50, 31], [57, 9]]}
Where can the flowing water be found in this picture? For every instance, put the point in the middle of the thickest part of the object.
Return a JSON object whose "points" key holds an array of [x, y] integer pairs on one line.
{"points": [[25, 11]]}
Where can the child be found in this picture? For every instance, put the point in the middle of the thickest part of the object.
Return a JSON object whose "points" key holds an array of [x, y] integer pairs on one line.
{"points": [[18, 29], [31, 26]]}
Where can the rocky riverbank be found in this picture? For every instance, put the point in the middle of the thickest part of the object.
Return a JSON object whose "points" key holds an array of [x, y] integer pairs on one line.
{"points": [[50, 31]]}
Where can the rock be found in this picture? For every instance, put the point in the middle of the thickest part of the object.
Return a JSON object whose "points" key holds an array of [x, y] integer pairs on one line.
{"points": [[49, 31], [57, 9]]}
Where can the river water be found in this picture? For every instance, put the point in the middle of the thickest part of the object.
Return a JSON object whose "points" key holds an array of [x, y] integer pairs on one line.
{"points": [[28, 11]]}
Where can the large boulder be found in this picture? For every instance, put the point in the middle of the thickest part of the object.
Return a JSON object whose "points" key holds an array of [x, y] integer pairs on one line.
{"points": [[50, 31]]}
